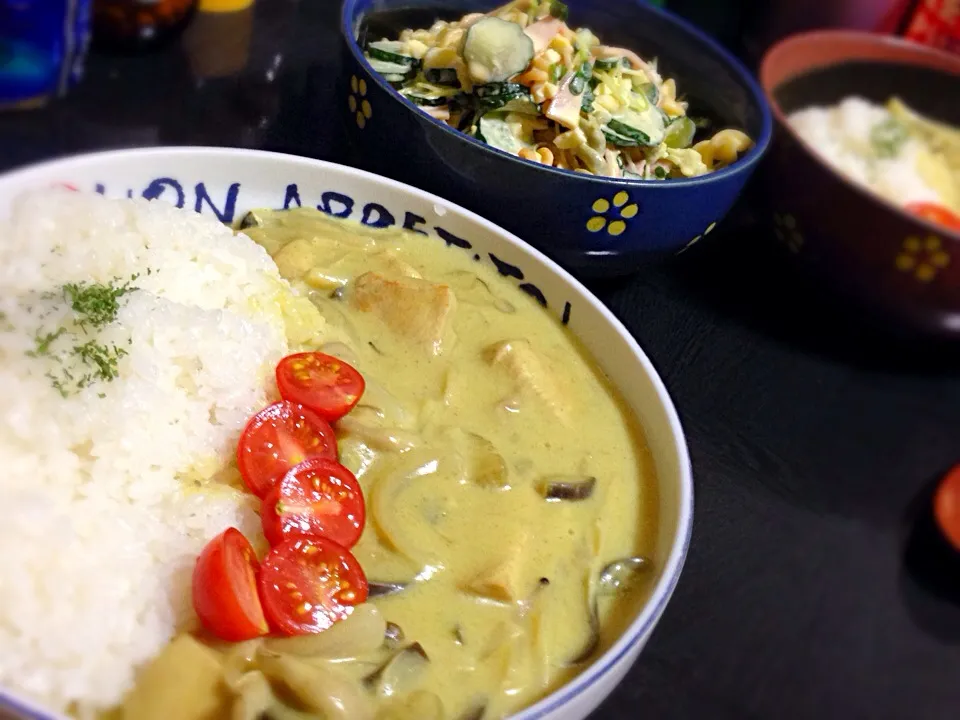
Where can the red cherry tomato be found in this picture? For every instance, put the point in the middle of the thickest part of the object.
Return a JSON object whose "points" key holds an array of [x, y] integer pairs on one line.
{"points": [[325, 384], [946, 507], [225, 588], [277, 438], [317, 497], [935, 213], [309, 583]]}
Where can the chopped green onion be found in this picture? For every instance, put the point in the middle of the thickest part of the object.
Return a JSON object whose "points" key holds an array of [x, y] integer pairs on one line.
{"points": [[888, 137], [559, 10], [557, 71], [660, 172]]}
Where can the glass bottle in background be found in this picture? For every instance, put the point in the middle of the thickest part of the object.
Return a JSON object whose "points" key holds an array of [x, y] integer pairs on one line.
{"points": [[217, 43], [42, 49], [237, 94], [132, 25], [224, 6]]}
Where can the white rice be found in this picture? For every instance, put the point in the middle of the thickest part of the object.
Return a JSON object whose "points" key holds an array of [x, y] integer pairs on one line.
{"points": [[101, 518], [841, 135]]}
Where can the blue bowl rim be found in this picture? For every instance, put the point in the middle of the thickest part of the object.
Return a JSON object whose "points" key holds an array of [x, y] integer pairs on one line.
{"points": [[747, 164]]}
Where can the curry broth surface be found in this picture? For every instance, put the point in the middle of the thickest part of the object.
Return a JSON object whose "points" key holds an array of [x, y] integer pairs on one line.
{"points": [[454, 530], [475, 398]]}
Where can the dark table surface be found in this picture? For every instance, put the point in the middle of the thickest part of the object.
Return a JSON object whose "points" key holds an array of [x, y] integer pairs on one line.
{"points": [[814, 586]]}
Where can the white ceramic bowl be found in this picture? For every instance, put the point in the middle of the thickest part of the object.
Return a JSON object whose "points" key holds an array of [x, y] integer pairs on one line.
{"points": [[227, 183]]}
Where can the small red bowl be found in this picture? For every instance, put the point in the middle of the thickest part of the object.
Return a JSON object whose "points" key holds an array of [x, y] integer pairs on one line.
{"points": [[904, 269]]}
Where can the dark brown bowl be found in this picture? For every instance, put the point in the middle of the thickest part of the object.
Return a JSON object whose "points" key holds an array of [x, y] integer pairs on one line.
{"points": [[904, 269]]}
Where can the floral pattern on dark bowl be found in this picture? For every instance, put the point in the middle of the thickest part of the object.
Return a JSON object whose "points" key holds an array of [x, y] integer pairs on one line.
{"points": [[593, 226], [903, 270]]}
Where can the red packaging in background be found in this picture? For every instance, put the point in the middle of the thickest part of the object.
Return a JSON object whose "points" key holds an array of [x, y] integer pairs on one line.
{"points": [[935, 23]]}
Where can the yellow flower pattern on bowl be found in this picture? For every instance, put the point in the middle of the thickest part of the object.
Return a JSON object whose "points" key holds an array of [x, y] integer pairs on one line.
{"points": [[358, 103], [922, 258], [612, 215]]}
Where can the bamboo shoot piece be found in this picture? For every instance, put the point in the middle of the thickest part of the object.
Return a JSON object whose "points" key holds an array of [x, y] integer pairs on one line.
{"points": [[360, 633], [322, 690], [185, 681]]}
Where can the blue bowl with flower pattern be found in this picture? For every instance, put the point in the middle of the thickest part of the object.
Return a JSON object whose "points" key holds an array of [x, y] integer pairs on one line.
{"points": [[594, 226]]}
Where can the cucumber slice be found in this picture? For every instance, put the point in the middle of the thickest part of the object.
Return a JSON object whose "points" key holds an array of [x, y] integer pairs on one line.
{"points": [[620, 140], [427, 100], [649, 91], [638, 136], [646, 128], [586, 103], [663, 115], [442, 76], [680, 133], [582, 78], [521, 105], [390, 51], [496, 49], [389, 68], [608, 64], [496, 96], [499, 89], [495, 132]]}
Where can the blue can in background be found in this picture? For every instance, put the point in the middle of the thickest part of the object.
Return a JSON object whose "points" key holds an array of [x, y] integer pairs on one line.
{"points": [[43, 44]]}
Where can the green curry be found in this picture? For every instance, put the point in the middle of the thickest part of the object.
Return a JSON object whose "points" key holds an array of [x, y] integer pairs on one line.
{"points": [[510, 498]]}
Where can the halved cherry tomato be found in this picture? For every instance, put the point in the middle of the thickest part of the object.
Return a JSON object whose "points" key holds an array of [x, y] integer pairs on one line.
{"points": [[317, 497], [325, 384], [309, 583], [946, 507], [225, 588], [935, 213], [277, 438]]}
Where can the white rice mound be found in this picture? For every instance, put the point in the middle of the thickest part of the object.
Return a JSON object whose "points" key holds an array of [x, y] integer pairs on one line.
{"points": [[841, 135], [103, 509]]}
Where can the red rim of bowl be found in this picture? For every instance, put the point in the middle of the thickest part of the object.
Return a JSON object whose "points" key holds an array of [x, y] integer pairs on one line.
{"points": [[873, 47]]}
